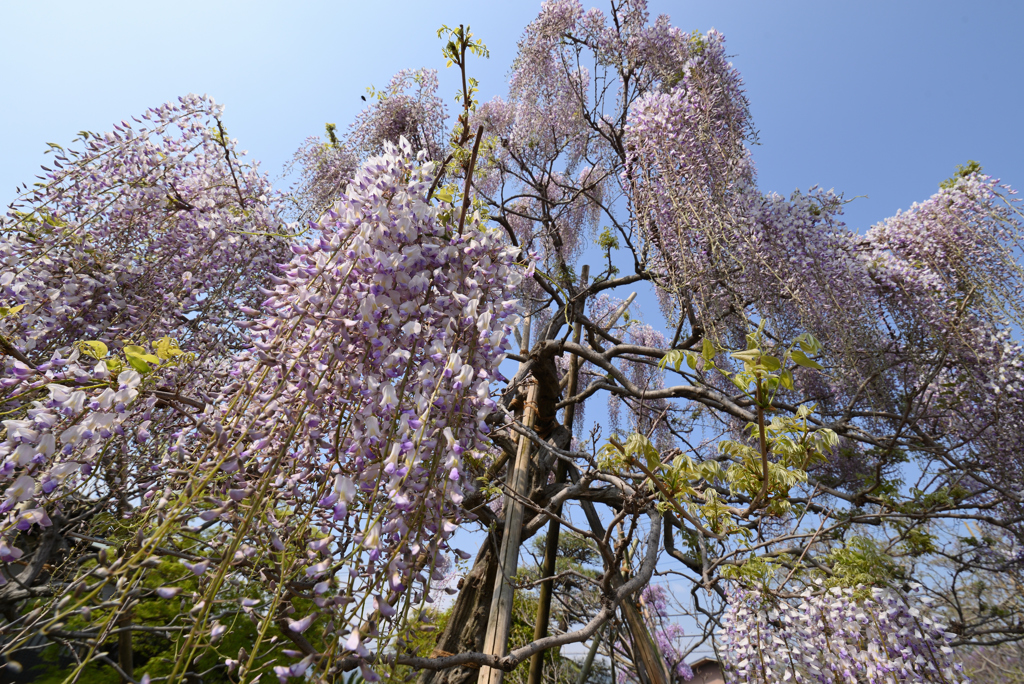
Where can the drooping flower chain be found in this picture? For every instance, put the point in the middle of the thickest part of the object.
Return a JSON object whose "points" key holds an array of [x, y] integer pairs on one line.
{"points": [[835, 636]]}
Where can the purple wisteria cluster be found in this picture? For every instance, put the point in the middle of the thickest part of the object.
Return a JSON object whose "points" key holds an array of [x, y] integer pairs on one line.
{"points": [[324, 169], [363, 398], [408, 107], [688, 170], [836, 636], [930, 295], [152, 229], [280, 427], [344, 439], [79, 407], [653, 52], [946, 268], [148, 238], [541, 142], [670, 636], [544, 103]]}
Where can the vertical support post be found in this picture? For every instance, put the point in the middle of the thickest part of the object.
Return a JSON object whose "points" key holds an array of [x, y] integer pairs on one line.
{"points": [[643, 642], [651, 667], [589, 660], [125, 655], [496, 639]]}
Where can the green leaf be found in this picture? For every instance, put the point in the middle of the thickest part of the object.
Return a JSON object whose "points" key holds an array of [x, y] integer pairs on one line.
{"points": [[138, 364], [771, 363], [10, 311], [166, 348], [809, 344], [673, 358], [639, 445], [786, 377], [139, 359], [749, 356], [711, 471], [93, 348], [801, 360], [708, 350]]}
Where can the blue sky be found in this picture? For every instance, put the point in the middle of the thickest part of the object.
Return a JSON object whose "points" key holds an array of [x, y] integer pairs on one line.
{"points": [[882, 99]]}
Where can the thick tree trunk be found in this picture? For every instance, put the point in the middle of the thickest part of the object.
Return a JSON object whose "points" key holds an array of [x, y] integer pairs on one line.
{"points": [[551, 548], [467, 622]]}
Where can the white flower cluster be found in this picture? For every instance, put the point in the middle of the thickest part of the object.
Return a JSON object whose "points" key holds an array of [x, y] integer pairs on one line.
{"points": [[836, 636]]}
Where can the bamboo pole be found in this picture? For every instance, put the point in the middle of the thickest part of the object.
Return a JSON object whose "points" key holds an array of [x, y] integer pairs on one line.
{"points": [[496, 639], [500, 622], [588, 662]]}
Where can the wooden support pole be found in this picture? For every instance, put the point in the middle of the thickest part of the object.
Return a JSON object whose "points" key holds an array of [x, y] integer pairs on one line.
{"points": [[540, 630], [589, 661], [654, 665], [125, 655], [496, 639]]}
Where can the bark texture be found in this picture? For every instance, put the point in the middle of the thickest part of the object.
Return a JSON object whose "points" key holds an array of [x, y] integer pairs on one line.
{"points": [[467, 623]]}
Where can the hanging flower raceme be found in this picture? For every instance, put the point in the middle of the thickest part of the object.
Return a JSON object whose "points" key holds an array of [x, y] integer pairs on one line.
{"points": [[926, 299], [151, 230], [688, 171], [409, 108], [325, 168], [359, 411], [79, 429], [150, 235], [835, 636]]}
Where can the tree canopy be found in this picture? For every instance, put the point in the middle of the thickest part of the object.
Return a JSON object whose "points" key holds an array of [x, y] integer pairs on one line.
{"points": [[247, 429]]}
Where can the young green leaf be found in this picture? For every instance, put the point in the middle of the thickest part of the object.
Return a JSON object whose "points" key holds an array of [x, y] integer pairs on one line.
{"points": [[166, 348], [93, 348], [748, 356], [708, 350], [801, 360], [139, 359], [138, 364]]}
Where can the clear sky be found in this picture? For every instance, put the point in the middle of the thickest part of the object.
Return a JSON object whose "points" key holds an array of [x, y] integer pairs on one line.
{"points": [[882, 99]]}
